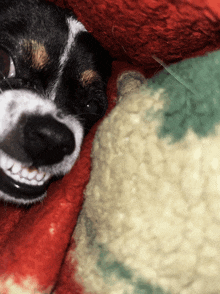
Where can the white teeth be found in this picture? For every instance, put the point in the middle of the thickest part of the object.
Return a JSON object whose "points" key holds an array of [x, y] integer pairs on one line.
{"points": [[16, 168], [32, 174], [24, 173], [9, 163], [22, 180], [40, 183], [40, 176], [34, 182], [17, 178], [4, 161], [19, 173], [47, 176]]}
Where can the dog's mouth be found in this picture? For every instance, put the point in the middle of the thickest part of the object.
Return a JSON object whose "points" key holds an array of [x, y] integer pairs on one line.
{"points": [[20, 181]]}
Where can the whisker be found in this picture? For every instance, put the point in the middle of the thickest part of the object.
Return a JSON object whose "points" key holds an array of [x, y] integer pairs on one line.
{"points": [[171, 72]]}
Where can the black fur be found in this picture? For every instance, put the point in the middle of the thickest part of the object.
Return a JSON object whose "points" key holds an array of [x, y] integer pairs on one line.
{"points": [[45, 139]]}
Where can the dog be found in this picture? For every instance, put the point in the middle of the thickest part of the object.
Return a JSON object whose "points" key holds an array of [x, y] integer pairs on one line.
{"points": [[53, 77]]}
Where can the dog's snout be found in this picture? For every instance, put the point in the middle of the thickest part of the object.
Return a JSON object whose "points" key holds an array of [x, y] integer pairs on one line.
{"points": [[46, 140]]}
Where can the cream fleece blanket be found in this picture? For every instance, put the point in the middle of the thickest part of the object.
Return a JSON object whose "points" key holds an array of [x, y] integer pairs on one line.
{"points": [[151, 217]]}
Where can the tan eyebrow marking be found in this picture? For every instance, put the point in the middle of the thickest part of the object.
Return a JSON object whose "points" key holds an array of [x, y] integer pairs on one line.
{"points": [[37, 52], [89, 76]]}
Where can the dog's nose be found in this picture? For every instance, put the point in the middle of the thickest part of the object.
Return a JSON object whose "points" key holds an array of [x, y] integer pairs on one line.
{"points": [[46, 140]]}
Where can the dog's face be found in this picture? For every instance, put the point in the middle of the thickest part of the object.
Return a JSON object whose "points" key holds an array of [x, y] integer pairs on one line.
{"points": [[53, 77]]}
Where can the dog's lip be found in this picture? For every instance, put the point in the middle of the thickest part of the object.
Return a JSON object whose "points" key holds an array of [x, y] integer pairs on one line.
{"points": [[19, 180], [19, 190]]}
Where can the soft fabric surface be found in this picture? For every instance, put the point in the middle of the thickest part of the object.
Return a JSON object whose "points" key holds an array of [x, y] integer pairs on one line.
{"points": [[34, 243], [150, 220], [136, 30]]}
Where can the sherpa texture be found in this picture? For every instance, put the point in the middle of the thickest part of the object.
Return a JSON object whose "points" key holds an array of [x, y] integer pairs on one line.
{"points": [[192, 92], [151, 219], [136, 30]]}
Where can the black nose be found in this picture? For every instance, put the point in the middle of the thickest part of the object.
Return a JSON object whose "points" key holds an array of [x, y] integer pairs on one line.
{"points": [[46, 140]]}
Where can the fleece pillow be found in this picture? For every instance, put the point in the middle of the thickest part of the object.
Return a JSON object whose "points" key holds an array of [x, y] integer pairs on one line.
{"points": [[136, 30], [150, 222]]}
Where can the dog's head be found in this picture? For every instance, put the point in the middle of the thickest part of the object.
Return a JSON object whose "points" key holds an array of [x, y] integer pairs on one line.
{"points": [[53, 78]]}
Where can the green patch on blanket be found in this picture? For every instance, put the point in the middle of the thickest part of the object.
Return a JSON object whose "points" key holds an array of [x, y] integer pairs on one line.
{"points": [[192, 96], [113, 271]]}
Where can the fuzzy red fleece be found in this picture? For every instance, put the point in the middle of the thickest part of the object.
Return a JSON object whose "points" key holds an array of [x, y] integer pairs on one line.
{"points": [[137, 30], [35, 244]]}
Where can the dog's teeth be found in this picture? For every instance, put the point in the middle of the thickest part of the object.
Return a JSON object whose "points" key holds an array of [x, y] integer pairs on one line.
{"points": [[10, 163], [7, 172], [40, 183], [47, 176], [21, 174], [22, 180], [16, 168], [24, 173], [40, 176], [32, 174], [34, 182], [3, 162], [17, 178]]}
